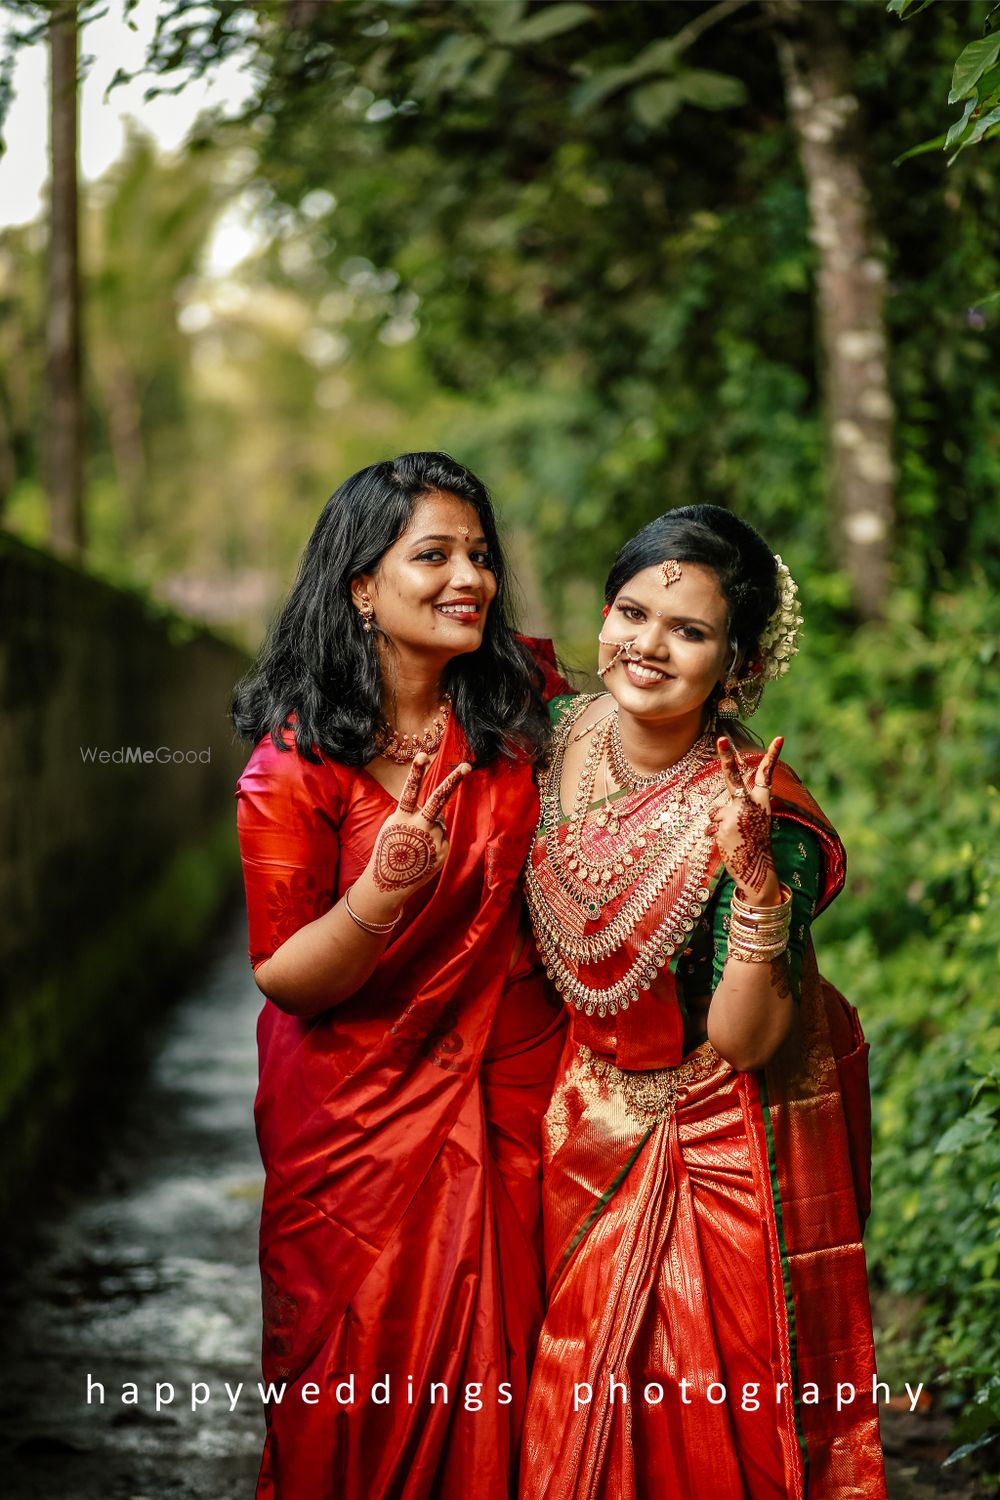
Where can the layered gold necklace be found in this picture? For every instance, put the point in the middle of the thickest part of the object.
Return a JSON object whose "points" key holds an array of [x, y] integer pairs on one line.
{"points": [[638, 867]]}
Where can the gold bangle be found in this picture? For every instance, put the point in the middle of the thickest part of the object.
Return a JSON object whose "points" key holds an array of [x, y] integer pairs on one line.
{"points": [[757, 955], [763, 913], [377, 929], [736, 919]]}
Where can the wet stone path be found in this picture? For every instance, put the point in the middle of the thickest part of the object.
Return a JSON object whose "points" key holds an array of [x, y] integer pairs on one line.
{"points": [[144, 1273], [148, 1275]]}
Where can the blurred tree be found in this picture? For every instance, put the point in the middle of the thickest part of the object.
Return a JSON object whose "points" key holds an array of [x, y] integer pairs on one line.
{"points": [[146, 230], [574, 204], [65, 426], [824, 108]]}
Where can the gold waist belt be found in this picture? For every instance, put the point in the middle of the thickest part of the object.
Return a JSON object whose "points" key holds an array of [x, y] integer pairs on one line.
{"points": [[653, 1093]]}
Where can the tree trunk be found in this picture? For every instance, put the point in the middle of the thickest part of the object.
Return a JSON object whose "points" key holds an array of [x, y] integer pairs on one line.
{"points": [[851, 281], [65, 435]]}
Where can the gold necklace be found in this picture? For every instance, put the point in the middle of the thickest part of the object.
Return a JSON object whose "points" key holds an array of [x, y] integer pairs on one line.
{"points": [[401, 748], [671, 872], [594, 878], [628, 777]]}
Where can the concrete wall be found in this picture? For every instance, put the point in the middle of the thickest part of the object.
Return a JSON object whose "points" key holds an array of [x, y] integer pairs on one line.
{"points": [[112, 875]]}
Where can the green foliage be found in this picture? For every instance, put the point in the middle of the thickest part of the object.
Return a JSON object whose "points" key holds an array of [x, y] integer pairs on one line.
{"points": [[896, 730], [975, 79]]}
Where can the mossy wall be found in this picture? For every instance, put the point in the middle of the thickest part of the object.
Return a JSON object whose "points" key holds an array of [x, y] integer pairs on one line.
{"points": [[113, 873]]}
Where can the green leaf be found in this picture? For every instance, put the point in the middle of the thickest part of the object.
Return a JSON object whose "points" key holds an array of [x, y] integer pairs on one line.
{"points": [[972, 1128], [988, 87], [503, 15], [543, 24], [659, 56], [959, 125], [921, 150], [486, 79], [971, 64], [653, 103], [900, 7], [595, 89], [711, 90], [448, 64], [967, 1448], [982, 125], [989, 301]]}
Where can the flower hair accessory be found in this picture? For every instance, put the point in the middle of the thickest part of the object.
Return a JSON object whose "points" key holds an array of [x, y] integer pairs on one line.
{"points": [[779, 640]]}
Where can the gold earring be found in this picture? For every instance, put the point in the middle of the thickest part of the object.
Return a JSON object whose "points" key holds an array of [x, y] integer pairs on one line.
{"points": [[366, 610], [727, 706]]}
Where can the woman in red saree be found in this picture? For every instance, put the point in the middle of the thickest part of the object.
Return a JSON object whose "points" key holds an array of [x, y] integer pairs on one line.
{"points": [[407, 1050], [708, 1333]]}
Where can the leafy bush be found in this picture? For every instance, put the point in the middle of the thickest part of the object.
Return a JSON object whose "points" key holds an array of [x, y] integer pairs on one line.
{"points": [[897, 731]]}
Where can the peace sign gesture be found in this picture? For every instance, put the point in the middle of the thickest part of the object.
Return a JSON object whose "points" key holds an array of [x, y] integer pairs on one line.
{"points": [[742, 826], [412, 843]]}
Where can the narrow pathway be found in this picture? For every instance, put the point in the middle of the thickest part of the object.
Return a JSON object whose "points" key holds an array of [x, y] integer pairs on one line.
{"points": [[147, 1277], [150, 1278]]}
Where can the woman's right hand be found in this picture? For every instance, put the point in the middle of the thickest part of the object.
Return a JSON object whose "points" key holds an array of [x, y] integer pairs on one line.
{"points": [[412, 843]]}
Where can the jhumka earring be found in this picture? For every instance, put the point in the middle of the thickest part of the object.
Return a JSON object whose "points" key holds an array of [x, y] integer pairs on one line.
{"points": [[366, 610], [727, 706]]}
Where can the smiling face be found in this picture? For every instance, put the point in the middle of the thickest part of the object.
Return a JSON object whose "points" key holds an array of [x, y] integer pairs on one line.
{"points": [[431, 591], [680, 637]]}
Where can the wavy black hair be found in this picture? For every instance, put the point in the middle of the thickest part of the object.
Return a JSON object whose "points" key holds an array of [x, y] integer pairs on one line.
{"points": [[319, 664], [737, 554]]}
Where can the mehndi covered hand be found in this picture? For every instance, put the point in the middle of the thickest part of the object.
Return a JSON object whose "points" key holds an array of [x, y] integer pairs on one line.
{"points": [[412, 844], [742, 826]]}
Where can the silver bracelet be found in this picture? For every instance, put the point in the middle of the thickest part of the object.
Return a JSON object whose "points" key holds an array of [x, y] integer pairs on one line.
{"points": [[377, 929]]}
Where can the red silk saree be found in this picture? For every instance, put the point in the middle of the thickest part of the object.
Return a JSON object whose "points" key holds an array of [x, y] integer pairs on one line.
{"points": [[400, 1132], [707, 1304]]}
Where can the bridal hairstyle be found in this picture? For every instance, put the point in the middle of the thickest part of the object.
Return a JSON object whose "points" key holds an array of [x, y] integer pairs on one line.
{"points": [[319, 664], [715, 538]]}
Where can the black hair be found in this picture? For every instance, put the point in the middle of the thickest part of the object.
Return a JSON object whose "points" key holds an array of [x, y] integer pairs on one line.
{"points": [[715, 538], [320, 665], [739, 557]]}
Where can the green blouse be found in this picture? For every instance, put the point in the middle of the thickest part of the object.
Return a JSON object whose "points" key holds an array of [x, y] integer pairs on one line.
{"points": [[797, 862]]}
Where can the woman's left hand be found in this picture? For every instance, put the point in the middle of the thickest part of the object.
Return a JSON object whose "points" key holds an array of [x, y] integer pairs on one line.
{"points": [[742, 826]]}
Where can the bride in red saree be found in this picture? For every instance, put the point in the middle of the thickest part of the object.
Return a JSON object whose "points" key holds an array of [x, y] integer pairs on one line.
{"points": [[406, 1051], [708, 1331]]}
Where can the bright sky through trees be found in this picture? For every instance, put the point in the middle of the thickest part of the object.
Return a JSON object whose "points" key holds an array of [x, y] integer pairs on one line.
{"points": [[107, 44]]}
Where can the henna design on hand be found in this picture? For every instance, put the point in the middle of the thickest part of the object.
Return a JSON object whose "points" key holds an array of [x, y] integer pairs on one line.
{"points": [[440, 794], [411, 786], [781, 981], [403, 856], [765, 770], [751, 861]]}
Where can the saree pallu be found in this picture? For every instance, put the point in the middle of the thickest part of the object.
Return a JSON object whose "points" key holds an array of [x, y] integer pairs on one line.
{"points": [[400, 1133], [708, 1293]]}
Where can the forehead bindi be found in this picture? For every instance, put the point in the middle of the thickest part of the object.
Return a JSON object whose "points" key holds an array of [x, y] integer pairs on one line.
{"points": [[695, 595], [441, 517]]}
